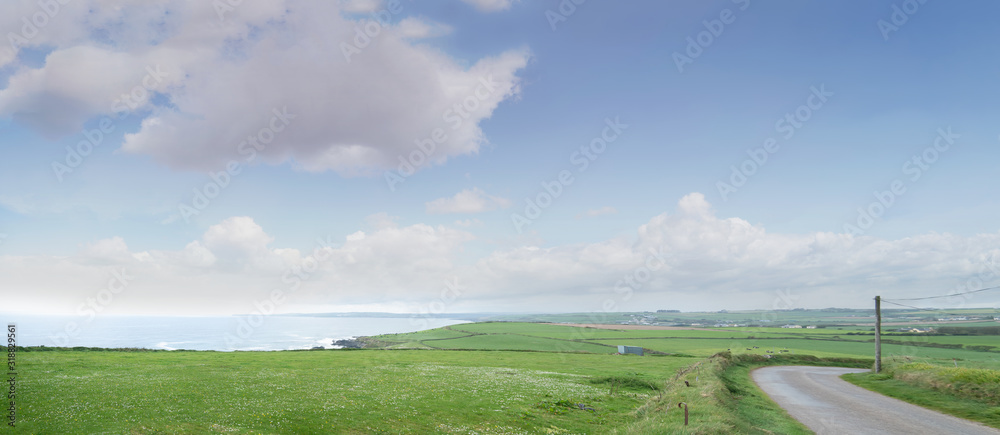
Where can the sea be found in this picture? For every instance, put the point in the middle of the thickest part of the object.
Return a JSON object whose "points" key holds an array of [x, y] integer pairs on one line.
{"points": [[232, 333]]}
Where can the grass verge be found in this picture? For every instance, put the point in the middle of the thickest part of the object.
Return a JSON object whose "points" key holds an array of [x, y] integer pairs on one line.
{"points": [[969, 393], [721, 398]]}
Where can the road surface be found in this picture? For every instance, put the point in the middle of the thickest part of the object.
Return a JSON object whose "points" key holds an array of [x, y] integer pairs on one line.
{"points": [[818, 398]]}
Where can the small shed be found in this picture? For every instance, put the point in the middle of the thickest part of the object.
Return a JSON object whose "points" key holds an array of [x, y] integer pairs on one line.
{"points": [[634, 350]]}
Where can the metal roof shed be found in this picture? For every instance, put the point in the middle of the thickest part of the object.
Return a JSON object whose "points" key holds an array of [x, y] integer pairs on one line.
{"points": [[634, 350]]}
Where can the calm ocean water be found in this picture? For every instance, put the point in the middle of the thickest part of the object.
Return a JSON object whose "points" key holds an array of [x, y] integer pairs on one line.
{"points": [[207, 333]]}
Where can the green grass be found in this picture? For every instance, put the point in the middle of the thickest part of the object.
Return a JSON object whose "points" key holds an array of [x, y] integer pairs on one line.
{"points": [[963, 407], [366, 391], [520, 342], [820, 342], [824, 348], [430, 334], [496, 378], [589, 333], [722, 398], [842, 318]]}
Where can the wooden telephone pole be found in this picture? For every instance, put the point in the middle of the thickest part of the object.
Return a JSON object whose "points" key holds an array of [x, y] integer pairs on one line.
{"points": [[878, 334]]}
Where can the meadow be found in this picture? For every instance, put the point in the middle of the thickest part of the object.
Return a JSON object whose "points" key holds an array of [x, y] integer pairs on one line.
{"points": [[347, 391], [473, 378], [848, 342]]}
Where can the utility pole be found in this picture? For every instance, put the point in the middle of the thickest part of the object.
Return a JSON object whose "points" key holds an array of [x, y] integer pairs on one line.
{"points": [[878, 334]]}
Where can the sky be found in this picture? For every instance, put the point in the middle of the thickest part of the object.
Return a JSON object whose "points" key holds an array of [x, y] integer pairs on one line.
{"points": [[182, 157]]}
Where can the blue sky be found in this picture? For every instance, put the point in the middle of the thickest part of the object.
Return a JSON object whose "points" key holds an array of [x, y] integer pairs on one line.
{"points": [[888, 96]]}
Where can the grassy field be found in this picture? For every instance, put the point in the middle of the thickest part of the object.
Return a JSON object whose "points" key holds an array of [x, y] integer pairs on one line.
{"points": [[967, 392], [827, 342], [478, 378], [825, 317], [365, 391]]}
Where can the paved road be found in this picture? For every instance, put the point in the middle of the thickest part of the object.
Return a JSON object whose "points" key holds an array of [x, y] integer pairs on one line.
{"points": [[818, 398]]}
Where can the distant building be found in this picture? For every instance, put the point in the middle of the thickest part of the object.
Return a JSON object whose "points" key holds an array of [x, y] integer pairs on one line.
{"points": [[811, 327], [792, 326], [634, 350]]}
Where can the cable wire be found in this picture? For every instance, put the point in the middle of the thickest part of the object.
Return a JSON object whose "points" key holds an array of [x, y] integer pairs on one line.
{"points": [[940, 310], [947, 296]]}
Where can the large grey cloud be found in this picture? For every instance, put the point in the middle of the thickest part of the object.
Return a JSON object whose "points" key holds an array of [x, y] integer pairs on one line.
{"points": [[359, 100]]}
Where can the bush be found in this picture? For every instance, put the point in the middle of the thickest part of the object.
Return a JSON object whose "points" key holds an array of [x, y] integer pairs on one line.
{"points": [[630, 382]]}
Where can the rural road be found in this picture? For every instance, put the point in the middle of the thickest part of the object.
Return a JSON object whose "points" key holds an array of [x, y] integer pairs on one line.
{"points": [[818, 398]]}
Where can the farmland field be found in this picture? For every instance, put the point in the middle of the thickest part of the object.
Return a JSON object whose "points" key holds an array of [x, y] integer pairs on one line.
{"points": [[829, 342], [485, 378], [364, 391]]}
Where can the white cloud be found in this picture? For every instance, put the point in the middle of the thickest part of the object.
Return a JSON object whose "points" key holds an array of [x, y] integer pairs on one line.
{"points": [[107, 251], [467, 201], [17, 204], [379, 221], [223, 78], [361, 6], [466, 223], [416, 28], [710, 261], [597, 212], [237, 238], [233, 265], [696, 260], [490, 5]]}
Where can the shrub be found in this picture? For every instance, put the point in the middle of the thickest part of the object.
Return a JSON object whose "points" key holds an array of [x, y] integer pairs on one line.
{"points": [[631, 382]]}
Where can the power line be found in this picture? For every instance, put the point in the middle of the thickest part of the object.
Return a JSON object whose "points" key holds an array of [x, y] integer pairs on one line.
{"points": [[940, 310], [909, 306], [916, 308], [947, 296]]}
